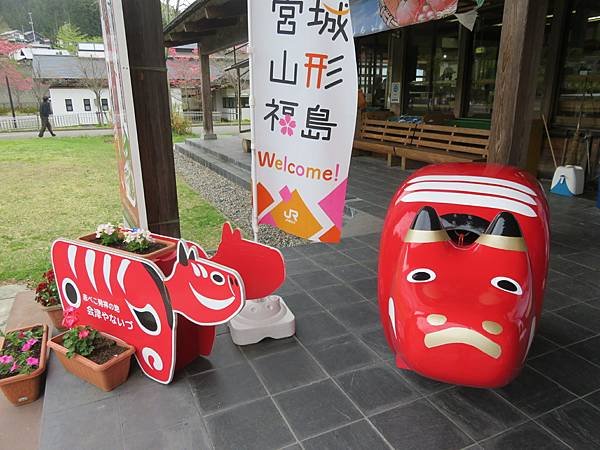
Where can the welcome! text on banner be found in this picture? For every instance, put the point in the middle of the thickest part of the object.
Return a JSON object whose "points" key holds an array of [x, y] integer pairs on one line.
{"points": [[304, 89]]}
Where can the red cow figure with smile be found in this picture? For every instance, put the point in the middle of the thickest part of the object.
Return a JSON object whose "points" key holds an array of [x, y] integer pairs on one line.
{"points": [[462, 270]]}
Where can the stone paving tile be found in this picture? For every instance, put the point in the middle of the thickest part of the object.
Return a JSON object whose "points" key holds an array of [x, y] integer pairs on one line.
{"points": [[526, 436], [376, 388], [335, 296], [569, 370], [317, 279], [588, 349], [301, 303], [187, 434], [419, 425], [333, 259], [342, 353], [288, 369], [562, 331], [11, 290], [352, 272], [540, 346], [223, 388], [255, 425], [594, 399], [576, 424], [584, 315], [269, 346], [534, 394], [376, 341], [366, 287], [479, 412], [316, 327], [358, 316], [356, 436], [316, 408]]}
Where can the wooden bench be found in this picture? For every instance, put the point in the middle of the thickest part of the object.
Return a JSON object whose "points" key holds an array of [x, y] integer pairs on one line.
{"points": [[440, 143], [423, 142], [382, 136]]}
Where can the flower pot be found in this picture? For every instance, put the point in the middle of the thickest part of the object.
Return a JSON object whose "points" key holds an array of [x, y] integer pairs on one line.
{"points": [[24, 389], [55, 313], [105, 376], [168, 247]]}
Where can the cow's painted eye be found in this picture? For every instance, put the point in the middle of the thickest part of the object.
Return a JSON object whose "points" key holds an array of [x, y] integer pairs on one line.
{"points": [[421, 275], [507, 285], [71, 293], [217, 278], [147, 318]]}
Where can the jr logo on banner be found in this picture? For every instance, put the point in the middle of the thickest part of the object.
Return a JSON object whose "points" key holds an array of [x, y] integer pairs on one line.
{"points": [[304, 87]]}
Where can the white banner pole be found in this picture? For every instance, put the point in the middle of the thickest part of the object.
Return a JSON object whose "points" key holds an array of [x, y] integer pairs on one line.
{"points": [[252, 125]]}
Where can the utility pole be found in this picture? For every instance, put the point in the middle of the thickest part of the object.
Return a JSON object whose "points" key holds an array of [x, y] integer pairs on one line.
{"points": [[32, 29], [12, 106]]}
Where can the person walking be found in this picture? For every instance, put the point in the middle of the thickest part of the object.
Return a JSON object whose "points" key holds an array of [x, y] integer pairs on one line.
{"points": [[45, 113]]}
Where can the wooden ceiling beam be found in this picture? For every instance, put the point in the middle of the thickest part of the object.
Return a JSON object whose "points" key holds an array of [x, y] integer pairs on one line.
{"points": [[210, 24]]}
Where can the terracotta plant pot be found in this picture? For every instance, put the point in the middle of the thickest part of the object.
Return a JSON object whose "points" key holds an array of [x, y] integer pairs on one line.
{"points": [[55, 313], [24, 389], [168, 247], [105, 376]]}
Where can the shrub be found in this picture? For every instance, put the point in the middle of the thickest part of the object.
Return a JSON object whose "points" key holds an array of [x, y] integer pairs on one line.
{"points": [[180, 125]]}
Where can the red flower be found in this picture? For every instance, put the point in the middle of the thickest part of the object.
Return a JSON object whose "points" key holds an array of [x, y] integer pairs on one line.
{"points": [[83, 333], [69, 317], [40, 287]]}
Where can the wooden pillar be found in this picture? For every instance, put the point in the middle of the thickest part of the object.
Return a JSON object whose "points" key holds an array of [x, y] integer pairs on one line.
{"points": [[520, 46], [207, 117], [555, 55], [399, 48], [464, 75], [143, 28]]}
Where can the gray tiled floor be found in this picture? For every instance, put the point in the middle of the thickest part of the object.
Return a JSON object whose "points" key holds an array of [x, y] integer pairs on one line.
{"points": [[335, 385]]}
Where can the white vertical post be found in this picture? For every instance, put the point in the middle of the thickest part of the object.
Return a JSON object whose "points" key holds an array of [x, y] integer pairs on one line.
{"points": [[252, 124]]}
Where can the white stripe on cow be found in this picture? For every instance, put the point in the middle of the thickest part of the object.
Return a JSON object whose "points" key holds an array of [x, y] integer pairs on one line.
{"points": [[90, 259], [106, 272], [71, 253], [474, 179], [471, 187], [392, 314], [121, 272], [456, 198], [157, 363]]}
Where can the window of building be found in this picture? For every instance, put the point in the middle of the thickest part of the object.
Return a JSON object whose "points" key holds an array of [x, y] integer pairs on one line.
{"points": [[87, 106], [579, 94], [245, 102], [373, 68], [432, 61], [228, 102], [104, 104], [69, 104]]}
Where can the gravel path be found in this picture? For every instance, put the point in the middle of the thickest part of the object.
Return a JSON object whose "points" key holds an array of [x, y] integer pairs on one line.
{"points": [[233, 201]]}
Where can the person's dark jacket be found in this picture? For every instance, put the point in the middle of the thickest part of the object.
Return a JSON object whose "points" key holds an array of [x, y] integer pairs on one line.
{"points": [[45, 109]]}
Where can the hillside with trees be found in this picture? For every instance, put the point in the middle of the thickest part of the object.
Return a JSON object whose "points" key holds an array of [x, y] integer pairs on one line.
{"points": [[50, 15]]}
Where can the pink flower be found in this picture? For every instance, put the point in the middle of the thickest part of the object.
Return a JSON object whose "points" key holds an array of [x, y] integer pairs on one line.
{"points": [[83, 334], [14, 367], [69, 317], [27, 345], [33, 361], [287, 125], [6, 359]]}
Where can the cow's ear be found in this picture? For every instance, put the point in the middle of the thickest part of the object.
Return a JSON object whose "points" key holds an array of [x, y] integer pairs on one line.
{"points": [[193, 254], [426, 228], [182, 255], [504, 233], [227, 231]]}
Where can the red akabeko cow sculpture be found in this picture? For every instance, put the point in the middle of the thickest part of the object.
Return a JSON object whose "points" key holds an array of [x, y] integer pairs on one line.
{"points": [[130, 297], [462, 270]]}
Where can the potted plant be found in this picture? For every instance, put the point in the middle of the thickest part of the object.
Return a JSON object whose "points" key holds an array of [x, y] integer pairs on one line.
{"points": [[93, 356], [22, 363], [46, 295], [135, 240]]}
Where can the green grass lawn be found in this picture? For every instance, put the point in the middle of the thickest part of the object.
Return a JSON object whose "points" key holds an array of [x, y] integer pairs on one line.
{"points": [[64, 187]]}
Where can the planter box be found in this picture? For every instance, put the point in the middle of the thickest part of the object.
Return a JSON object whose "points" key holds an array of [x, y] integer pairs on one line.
{"points": [[24, 389], [106, 376], [168, 247], [55, 313]]}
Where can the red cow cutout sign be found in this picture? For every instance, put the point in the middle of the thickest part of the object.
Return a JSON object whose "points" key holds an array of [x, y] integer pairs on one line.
{"points": [[462, 270], [130, 298]]}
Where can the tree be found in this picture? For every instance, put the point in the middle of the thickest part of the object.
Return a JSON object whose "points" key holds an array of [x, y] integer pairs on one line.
{"points": [[93, 73], [69, 36], [184, 74]]}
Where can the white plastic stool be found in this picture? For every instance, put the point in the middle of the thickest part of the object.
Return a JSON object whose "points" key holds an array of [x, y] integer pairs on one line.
{"points": [[262, 318], [568, 181]]}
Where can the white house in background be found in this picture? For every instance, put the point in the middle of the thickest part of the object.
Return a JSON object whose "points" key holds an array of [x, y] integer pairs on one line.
{"points": [[90, 50], [224, 101], [27, 53], [72, 81]]}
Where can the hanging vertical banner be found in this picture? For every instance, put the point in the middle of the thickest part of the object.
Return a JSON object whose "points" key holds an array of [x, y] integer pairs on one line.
{"points": [[123, 115], [304, 88]]}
